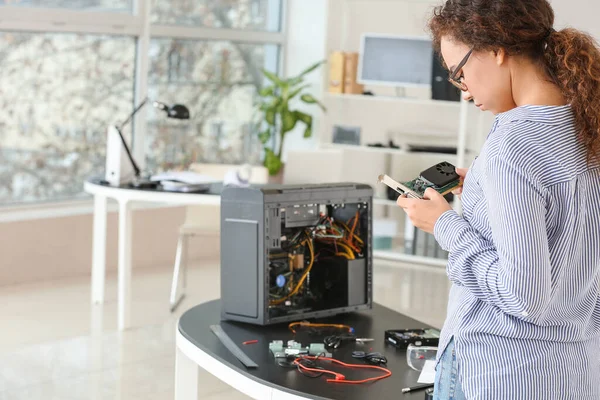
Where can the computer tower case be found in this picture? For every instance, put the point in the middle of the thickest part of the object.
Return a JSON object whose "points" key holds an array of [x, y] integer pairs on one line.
{"points": [[292, 252]]}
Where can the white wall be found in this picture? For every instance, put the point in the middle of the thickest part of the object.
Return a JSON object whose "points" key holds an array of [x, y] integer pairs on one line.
{"points": [[579, 14], [51, 248]]}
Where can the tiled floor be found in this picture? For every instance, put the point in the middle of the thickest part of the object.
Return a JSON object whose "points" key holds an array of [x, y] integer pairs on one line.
{"points": [[53, 347]]}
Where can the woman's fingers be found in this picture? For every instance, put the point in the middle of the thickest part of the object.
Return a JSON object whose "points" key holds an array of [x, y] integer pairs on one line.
{"points": [[462, 172]]}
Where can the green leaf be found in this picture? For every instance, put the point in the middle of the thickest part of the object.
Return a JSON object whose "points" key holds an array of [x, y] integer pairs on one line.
{"points": [[264, 136], [308, 131], [281, 105], [271, 110], [311, 68], [273, 78], [272, 162], [270, 116], [285, 92], [296, 91], [265, 107], [309, 99], [305, 118], [295, 81], [288, 121], [267, 91], [300, 78]]}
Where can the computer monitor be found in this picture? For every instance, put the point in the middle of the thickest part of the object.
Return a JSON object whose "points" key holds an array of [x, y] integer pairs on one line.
{"points": [[399, 61]]}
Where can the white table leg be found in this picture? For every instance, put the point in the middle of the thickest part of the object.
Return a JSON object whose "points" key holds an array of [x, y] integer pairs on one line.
{"points": [[99, 250], [186, 377], [125, 230]]}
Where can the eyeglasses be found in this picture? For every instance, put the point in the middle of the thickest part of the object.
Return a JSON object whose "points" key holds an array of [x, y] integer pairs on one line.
{"points": [[458, 81]]}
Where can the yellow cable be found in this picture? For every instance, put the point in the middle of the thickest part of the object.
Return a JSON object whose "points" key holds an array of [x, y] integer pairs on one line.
{"points": [[302, 279], [313, 325], [343, 255], [354, 234], [348, 250]]}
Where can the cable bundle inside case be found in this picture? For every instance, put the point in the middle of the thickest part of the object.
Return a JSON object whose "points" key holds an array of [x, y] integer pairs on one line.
{"points": [[327, 239]]}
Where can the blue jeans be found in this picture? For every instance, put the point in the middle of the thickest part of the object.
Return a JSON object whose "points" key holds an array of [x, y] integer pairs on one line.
{"points": [[447, 384]]}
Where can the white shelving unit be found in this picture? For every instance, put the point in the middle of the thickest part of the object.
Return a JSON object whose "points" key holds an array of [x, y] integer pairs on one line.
{"points": [[395, 99], [422, 120]]}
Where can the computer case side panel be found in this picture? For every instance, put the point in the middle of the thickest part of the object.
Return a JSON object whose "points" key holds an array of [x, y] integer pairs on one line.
{"points": [[242, 260]]}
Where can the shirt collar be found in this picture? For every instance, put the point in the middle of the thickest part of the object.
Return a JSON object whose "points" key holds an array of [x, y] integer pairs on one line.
{"points": [[538, 113]]}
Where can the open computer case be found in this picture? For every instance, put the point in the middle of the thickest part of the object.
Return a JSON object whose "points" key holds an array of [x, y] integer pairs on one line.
{"points": [[291, 252]]}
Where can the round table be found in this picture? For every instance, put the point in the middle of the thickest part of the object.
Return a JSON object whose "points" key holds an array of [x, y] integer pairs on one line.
{"points": [[198, 346]]}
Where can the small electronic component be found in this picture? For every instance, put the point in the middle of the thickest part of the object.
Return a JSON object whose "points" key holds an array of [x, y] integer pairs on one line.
{"points": [[442, 177], [401, 338], [298, 261], [295, 349]]}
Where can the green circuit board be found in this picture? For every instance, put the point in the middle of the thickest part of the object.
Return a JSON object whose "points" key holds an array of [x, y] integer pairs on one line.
{"points": [[419, 186]]}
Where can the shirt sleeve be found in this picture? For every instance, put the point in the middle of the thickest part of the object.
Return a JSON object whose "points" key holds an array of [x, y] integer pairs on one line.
{"points": [[512, 272]]}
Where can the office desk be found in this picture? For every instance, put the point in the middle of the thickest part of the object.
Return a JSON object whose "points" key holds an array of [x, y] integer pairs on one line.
{"points": [[125, 197], [198, 347]]}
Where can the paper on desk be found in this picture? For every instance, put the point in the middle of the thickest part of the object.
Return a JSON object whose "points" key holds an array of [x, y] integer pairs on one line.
{"points": [[189, 177], [428, 372]]}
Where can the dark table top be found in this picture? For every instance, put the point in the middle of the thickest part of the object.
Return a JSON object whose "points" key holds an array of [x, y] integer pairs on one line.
{"points": [[195, 326]]}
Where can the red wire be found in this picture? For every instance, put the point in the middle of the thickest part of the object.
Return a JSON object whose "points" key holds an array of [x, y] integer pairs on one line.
{"points": [[339, 378]]}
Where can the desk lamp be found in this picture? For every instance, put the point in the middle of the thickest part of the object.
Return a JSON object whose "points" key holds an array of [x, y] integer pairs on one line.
{"points": [[120, 165]]}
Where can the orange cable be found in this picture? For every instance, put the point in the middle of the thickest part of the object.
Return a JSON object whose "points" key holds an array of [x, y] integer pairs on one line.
{"points": [[315, 325], [340, 378]]}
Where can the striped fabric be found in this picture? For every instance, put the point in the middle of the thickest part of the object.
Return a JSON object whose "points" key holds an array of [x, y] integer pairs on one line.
{"points": [[524, 308]]}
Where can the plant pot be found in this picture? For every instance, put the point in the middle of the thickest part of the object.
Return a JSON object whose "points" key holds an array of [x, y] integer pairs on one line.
{"points": [[278, 178]]}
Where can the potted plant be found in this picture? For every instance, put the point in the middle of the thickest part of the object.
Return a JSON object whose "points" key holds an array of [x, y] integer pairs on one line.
{"points": [[278, 119]]}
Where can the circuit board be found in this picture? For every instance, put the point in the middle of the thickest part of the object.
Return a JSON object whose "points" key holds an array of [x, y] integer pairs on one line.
{"points": [[441, 177], [419, 186]]}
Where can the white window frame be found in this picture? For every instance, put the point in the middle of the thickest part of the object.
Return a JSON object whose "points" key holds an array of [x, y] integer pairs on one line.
{"points": [[137, 24]]}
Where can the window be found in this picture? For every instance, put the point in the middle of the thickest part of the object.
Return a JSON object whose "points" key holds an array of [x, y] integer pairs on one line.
{"points": [[260, 15], [58, 93], [72, 67], [87, 5], [218, 81]]}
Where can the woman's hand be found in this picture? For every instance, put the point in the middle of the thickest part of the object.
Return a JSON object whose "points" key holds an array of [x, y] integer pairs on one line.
{"points": [[462, 172], [424, 213]]}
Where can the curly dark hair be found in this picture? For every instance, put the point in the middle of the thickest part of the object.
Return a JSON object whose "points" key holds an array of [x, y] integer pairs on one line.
{"points": [[570, 58]]}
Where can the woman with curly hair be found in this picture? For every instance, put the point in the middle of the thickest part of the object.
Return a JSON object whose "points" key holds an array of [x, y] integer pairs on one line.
{"points": [[524, 309]]}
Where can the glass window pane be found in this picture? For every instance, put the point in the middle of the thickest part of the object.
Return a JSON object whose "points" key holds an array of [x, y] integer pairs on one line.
{"points": [[218, 81], [58, 93], [86, 5], [257, 15]]}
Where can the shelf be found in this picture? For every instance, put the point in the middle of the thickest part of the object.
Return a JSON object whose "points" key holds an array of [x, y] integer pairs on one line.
{"points": [[400, 255], [362, 97], [384, 150]]}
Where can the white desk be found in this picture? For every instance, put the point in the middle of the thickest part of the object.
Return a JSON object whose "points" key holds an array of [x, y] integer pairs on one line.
{"points": [[125, 197]]}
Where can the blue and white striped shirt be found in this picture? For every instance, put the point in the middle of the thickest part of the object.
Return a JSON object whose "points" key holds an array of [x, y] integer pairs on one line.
{"points": [[524, 308]]}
